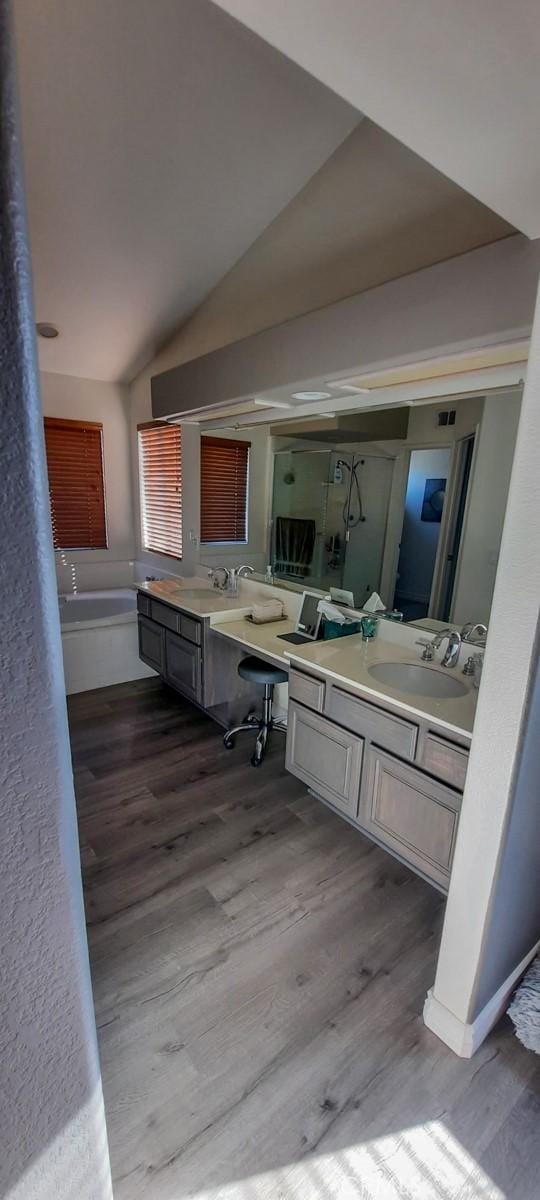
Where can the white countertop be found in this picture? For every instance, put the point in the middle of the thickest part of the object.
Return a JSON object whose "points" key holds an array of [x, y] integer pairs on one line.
{"points": [[345, 660], [195, 597]]}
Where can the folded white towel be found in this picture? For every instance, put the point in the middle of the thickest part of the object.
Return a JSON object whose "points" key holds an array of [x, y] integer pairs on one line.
{"points": [[267, 610]]}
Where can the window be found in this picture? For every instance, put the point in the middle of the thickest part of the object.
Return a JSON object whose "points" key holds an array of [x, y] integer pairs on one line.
{"points": [[77, 496], [160, 474], [224, 490]]}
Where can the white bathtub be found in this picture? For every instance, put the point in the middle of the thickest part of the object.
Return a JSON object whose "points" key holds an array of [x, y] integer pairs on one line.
{"points": [[99, 639]]}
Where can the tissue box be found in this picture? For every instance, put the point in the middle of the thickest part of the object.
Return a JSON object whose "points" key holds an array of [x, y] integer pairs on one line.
{"points": [[331, 629]]}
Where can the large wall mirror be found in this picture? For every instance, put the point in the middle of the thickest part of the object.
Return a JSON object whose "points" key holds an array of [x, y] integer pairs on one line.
{"points": [[408, 502]]}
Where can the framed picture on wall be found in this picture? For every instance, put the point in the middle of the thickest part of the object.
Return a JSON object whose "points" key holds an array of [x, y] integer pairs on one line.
{"points": [[433, 502]]}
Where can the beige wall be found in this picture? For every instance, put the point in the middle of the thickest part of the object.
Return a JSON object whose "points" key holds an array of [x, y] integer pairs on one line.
{"points": [[91, 400]]}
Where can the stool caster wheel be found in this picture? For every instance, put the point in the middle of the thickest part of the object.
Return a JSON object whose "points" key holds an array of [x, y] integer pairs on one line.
{"points": [[256, 762], [228, 743]]}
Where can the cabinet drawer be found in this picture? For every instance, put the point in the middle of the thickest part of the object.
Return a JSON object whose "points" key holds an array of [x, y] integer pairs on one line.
{"points": [[411, 814], [445, 760], [143, 604], [152, 644], [183, 665], [371, 722], [190, 629], [325, 757], [307, 690], [165, 616]]}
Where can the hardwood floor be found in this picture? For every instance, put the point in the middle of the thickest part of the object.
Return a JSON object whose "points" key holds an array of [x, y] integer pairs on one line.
{"points": [[259, 970]]}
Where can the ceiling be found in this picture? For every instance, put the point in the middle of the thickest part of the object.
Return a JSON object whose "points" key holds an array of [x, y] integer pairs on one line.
{"points": [[375, 211], [182, 173], [160, 138], [456, 82]]}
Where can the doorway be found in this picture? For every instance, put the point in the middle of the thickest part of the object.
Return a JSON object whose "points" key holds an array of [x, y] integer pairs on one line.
{"points": [[425, 499]]}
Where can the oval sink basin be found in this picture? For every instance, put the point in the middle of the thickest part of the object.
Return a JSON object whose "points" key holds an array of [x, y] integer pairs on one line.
{"points": [[418, 680]]}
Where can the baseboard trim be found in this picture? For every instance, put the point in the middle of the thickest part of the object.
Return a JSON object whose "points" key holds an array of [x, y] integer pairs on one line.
{"points": [[464, 1038]]}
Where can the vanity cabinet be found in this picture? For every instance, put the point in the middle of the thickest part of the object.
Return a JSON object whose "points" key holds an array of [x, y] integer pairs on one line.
{"points": [[152, 644], [183, 665], [170, 642], [194, 661], [327, 758], [411, 814], [395, 778]]}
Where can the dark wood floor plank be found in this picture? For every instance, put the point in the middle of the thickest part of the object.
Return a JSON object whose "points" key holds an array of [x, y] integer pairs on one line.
{"points": [[259, 970]]}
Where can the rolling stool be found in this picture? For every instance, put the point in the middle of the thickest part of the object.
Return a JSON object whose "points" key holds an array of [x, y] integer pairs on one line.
{"points": [[258, 671]]}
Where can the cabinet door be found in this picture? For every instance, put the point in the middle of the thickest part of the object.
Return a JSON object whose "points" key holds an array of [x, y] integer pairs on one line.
{"points": [[325, 757], [183, 665], [411, 814], [152, 644]]}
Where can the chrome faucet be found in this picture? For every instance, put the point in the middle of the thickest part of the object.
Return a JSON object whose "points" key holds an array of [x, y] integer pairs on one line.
{"points": [[240, 571], [453, 648], [213, 575], [476, 634]]}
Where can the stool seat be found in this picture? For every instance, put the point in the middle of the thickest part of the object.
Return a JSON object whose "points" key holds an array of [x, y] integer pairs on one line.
{"points": [[258, 671]]}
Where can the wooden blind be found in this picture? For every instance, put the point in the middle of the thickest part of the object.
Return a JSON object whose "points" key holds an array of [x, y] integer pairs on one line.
{"points": [[76, 491], [160, 473], [224, 489]]}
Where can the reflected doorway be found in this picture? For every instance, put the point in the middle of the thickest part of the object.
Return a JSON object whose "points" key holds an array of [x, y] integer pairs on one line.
{"points": [[425, 500]]}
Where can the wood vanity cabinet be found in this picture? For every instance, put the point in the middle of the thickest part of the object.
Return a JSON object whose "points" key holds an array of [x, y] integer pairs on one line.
{"points": [[200, 665], [152, 644], [164, 646], [397, 779], [327, 758], [411, 814], [183, 665]]}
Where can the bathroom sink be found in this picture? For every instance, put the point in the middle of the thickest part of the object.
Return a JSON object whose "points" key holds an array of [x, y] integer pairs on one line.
{"points": [[418, 680]]}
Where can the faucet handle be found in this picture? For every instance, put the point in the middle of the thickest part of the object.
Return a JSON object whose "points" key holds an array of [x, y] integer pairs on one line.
{"points": [[427, 656]]}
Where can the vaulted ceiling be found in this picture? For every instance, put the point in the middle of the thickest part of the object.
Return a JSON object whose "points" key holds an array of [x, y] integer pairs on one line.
{"points": [[177, 164], [160, 138]]}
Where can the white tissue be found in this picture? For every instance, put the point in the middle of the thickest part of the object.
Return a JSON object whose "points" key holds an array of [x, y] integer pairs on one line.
{"points": [[374, 604], [331, 612]]}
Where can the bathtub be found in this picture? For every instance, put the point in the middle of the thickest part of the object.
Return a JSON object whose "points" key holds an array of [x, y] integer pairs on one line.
{"points": [[100, 639]]}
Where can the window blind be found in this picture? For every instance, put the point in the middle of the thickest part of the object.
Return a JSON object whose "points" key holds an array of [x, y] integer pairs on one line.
{"points": [[76, 490], [224, 489], [160, 474]]}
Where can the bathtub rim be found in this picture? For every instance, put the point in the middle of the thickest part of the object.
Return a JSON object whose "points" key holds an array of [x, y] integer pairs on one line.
{"points": [[122, 618]]}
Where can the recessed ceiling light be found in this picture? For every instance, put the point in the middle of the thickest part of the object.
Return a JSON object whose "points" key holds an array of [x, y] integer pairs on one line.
{"points": [[311, 395], [46, 330]]}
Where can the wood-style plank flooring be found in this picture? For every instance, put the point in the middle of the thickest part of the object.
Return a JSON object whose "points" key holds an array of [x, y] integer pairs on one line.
{"points": [[259, 970]]}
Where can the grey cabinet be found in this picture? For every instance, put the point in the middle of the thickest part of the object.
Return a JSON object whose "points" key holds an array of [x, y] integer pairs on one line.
{"points": [[398, 780], [444, 759], [413, 815], [183, 665], [325, 757], [152, 644]]}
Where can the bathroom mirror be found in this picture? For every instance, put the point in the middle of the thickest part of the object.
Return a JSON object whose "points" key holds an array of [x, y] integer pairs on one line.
{"points": [[407, 502]]}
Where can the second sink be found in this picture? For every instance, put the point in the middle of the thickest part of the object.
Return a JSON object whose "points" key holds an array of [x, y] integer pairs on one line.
{"points": [[418, 680]]}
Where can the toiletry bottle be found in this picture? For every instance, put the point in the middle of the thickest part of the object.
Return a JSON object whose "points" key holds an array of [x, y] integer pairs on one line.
{"points": [[268, 577]]}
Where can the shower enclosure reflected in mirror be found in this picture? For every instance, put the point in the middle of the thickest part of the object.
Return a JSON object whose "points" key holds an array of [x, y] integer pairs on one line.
{"points": [[329, 516], [411, 507]]}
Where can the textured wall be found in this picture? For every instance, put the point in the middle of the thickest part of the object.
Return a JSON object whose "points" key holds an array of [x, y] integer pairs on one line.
{"points": [[495, 865], [53, 1140]]}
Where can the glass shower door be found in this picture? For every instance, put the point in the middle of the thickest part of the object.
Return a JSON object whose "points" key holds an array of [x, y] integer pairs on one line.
{"points": [[307, 518]]}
